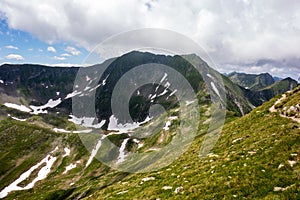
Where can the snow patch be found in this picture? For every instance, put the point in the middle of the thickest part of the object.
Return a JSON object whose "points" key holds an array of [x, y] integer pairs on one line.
{"points": [[104, 81], [41, 109], [74, 93], [59, 130], [167, 85], [18, 119], [86, 121], [140, 145], [69, 167], [210, 76], [94, 152], [121, 156], [239, 106], [189, 102], [42, 174], [167, 125], [17, 107], [163, 93], [172, 93], [154, 96], [44, 171], [164, 77], [124, 128], [215, 88], [67, 152]]}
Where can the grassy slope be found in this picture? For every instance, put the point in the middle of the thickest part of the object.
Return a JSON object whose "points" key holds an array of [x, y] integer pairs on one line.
{"points": [[236, 172]]}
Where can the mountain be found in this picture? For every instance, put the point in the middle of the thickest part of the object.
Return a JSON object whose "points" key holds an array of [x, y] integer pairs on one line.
{"points": [[36, 85], [262, 87], [258, 150], [252, 81], [267, 93]]}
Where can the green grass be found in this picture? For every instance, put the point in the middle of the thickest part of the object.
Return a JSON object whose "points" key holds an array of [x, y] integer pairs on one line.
{"points": [[234, 172], [238, 169]]}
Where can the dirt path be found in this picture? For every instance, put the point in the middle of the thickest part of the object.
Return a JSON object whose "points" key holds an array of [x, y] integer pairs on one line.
{"points": [[273, 109]]}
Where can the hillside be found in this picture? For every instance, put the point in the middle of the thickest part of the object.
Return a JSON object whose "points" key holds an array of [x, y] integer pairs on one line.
{"points": [[259, 150]]}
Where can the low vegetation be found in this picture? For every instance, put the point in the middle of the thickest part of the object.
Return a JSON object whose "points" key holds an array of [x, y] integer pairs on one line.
{"points": [[256, 157]]}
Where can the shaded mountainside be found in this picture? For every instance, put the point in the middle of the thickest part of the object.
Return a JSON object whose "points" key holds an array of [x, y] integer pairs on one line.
{"points": [[36, 85], [262, 87], [252, 81], [258, 150], [267, 93]]}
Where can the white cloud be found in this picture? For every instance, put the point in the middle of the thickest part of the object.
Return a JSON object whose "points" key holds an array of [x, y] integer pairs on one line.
{"points": [[51, 49], [73, 51], [58, 58], [30, 49], [65, 55], [14, 57], [40, 50], [66, 65], [233, 32], [11, 47]]}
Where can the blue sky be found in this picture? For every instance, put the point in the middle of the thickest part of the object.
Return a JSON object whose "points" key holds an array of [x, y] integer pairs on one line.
{"points": [[17, 46], [239, 35]]}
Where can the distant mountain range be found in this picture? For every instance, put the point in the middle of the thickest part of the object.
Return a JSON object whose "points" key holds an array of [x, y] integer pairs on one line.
{"points": [[262, 87], [35, 85]]}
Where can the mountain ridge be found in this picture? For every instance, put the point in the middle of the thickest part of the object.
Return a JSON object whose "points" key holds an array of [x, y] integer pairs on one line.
{"points": [[46, 82]]}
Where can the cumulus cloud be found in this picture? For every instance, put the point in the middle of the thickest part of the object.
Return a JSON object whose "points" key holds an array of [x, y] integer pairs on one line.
{"points": [[14, 57], [65, 55], [51, 49], [58, 58], [73, 51], [11, 47], [233, 32]]}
